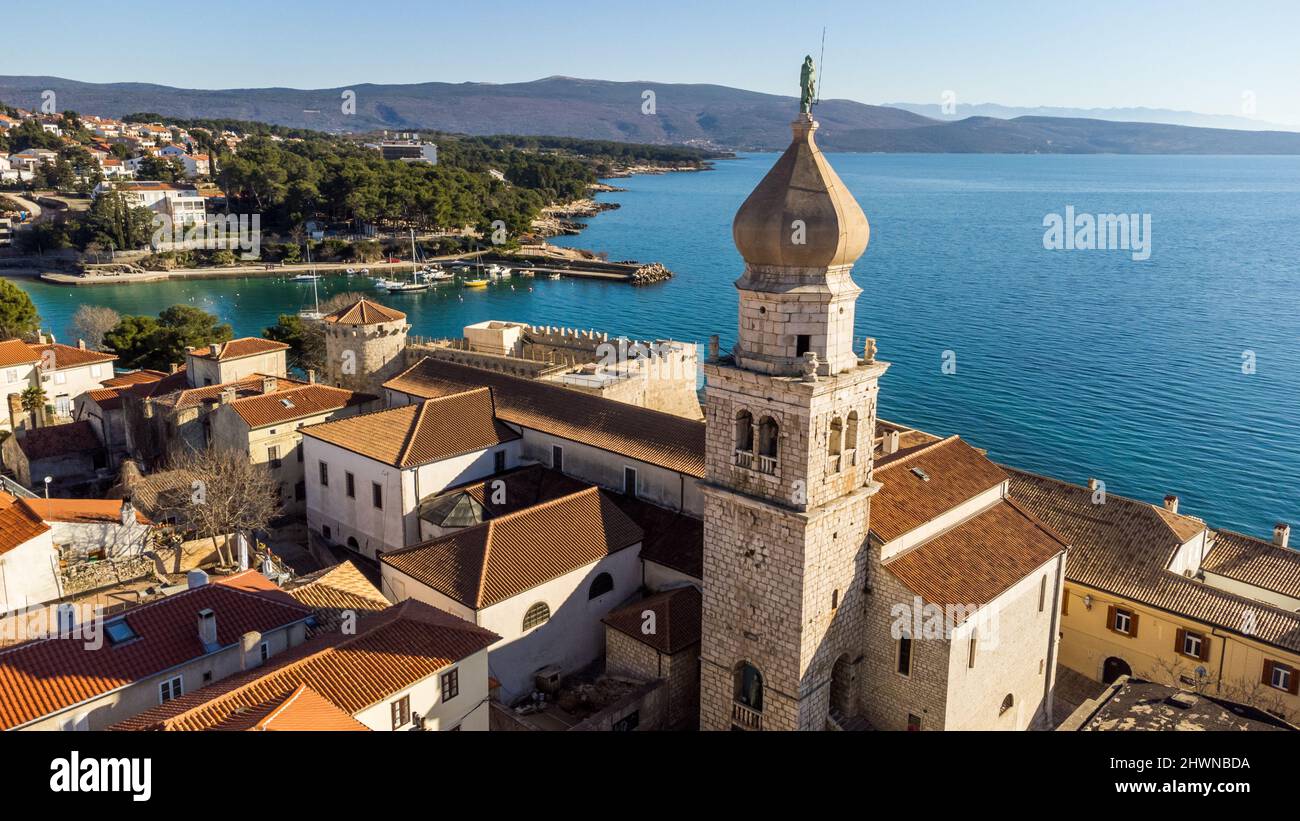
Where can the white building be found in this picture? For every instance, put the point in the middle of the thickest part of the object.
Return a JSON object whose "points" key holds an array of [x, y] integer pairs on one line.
{"points": [[29, 562], [366, 475], [181, 203]]}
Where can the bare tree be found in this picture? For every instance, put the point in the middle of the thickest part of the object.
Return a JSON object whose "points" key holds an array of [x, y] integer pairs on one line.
{"points": [[229, 495], [91, 322]]}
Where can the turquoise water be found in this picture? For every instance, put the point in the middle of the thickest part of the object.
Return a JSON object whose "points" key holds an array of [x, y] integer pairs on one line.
{"points": [[1071, 363]]}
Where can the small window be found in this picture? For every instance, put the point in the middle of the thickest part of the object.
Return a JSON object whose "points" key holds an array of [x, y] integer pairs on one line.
{"points": [[119, 631], [905, 656], [1280, 676], [1193, 644], [557, 457], [265, 650], [970, 656], [324, 475], [498, 461], [170, 689], [601, 585], [377, 495], [299, 450], [325, 531], [629, 481], [350, 484], [273, 454], [450, 684], [913, 723], [401, 710], [536, 616], [1007, 704], [802, 344], [1124, 622]]}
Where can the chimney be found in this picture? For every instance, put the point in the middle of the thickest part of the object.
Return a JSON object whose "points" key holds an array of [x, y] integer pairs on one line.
{"points": [[208, 629], [891, 443], [1171, 503], [81, 344], [268, 384], [1282, 534], [227, 396], [128, 510], [217, 348], [713, 348], [174, 368], [311, 376], [1092, 484], [196, 578], [250, 646]]}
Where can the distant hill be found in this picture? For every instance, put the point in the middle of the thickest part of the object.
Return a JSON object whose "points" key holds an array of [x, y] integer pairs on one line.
{"points": [[1163, 116], [703, 115]]}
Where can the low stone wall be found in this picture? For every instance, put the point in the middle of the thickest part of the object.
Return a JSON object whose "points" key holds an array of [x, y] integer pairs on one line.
{"points": [[83, 576]]}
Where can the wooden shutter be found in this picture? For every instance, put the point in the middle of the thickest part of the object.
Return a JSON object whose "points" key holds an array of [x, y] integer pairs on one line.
{"points": [[1295, 682], [1133, 625], [1205, 648], [1180, 642], [1110, 617], [1065, 603], [1268, 673]]}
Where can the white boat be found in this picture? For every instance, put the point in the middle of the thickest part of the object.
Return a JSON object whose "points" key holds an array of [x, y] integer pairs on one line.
{"points": [[498, 271], [394, 286], [306, 278]]}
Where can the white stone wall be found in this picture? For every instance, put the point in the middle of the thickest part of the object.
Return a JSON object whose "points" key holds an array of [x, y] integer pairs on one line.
{"points": [[468, 710], [30, 573]]}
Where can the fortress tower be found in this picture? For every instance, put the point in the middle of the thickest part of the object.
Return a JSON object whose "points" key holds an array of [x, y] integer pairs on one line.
{"points": [[363, 346], [791, 416]]}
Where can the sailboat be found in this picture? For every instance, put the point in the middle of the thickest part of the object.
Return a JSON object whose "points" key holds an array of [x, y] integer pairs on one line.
{"points": [[398, 287], [308, 277], [315, 292]]}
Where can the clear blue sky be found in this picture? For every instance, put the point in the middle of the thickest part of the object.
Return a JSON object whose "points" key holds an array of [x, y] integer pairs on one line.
{"points": [[1193, 55]]}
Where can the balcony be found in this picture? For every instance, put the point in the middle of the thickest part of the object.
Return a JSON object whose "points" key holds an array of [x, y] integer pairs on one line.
{"points": [[745, 459], [746, 717], [767, 464], [851, 457]]}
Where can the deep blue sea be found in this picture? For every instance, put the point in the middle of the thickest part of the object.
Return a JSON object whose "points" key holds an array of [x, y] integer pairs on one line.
{"points": [[1073, 363]]}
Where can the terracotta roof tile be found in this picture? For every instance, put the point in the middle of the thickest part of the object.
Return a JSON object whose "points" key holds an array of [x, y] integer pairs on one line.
{"points": [[187, 397], [133, 378], [420, 433], [335, 592], [1124, 546], [82, 511], [364, 312], [41, 677], [979, 559], [1255, 562], [296, 402], [299, 710], [17, 352], [107, 398], [59, 440], [927, 482], [66, 356], [482, 565], [390, 652], [650, 436], [677, 619], [18, 523], [239, 348]]}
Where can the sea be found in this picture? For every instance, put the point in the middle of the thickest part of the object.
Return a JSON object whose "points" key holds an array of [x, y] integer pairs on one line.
{"points": [[1171, 368]]}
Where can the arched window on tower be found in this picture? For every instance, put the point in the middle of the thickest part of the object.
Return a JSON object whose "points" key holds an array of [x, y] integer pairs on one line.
{"points": [[768, 433], [851, 439], [748, 693], [745, 439], [834, 443]]}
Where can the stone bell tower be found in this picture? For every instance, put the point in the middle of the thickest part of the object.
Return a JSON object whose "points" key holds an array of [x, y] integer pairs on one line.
{"points": [[791, 417]]}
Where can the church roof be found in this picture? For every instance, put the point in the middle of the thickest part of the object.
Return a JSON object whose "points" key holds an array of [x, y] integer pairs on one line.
{"points": [[801, 190], [365, 312], [677, 615], [650, 436], [927, 482]]}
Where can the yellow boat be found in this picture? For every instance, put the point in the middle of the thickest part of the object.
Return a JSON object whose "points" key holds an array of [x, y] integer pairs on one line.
{"points": [[476, 283]]}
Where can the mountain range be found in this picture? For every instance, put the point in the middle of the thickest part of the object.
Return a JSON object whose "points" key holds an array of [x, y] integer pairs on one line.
{"points": [[1165, 116], [644, 112]]}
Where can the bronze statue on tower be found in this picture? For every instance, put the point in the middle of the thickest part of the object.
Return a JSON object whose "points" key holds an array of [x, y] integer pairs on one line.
{"points": [[808, 86]]}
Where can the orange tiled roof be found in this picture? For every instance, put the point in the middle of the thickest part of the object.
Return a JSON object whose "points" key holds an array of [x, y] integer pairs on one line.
{"points": [[979, 559], [81, 511], [295, 403], [417, 434], [482, 565], [390, 652], [677, 619], [650, 436], [365, 312], [955, 471], [17, 352], [192, 397], [107, 398], [299, 710], [47, 676], [134, 378], [239, 348], [66, 356], [1255, 562], [19, 524], [335, 592], [1124, 547]]}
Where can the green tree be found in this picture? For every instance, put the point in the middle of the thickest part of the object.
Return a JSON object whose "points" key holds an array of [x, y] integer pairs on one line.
{"points": [[18, 317], [306, 342], [163, 169], [33, 401], [132, 341], [145, 342], [112, 221]]}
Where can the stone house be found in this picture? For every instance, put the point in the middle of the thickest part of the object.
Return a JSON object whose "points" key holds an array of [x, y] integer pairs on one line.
{"points": [[70, 454], [658, 637]]}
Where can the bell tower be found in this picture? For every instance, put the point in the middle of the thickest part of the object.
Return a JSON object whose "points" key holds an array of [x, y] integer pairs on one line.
{"points": [[791, 416]]}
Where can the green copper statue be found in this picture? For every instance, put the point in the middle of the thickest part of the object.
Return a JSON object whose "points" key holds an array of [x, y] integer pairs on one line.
{"points": [[808, 83]]}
